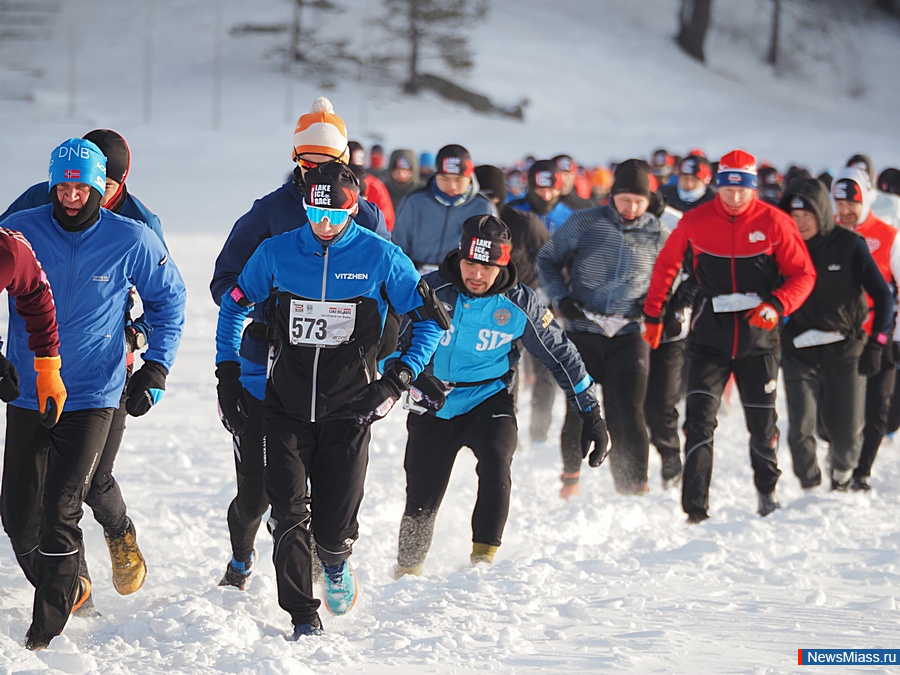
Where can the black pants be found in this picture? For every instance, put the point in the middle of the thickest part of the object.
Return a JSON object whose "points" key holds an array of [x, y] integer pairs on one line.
{"points": [[665, 387], [249, 505], [332, 457], [105, 496], [46, 477], [490, 431], [620, 365], [834, 394], [756, 378], [879, 390]]}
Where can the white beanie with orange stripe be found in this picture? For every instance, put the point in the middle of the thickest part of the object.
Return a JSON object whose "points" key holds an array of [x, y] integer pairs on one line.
{"points": [[321, 132]]}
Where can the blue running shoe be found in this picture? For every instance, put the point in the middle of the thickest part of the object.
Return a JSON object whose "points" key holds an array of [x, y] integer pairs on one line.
{"points": [[238, 573], [312, 627], [341, 589]]}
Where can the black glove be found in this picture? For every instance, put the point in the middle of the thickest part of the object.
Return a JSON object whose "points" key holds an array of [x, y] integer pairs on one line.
{"points": [[593, 431], [9, 380], [377, 399], [569, 309], [870, 359], [428, 392], [233, 409], [145, 388]]}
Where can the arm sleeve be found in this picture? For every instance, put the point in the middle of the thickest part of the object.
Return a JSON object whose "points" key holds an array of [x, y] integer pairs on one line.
{"points": [[29, 286], [544, 338], [665, 269], [248, 232], [795, 266], [401, 284], [163, 295], [372, 218], [877, 288], [252, 286], [554, 255]]}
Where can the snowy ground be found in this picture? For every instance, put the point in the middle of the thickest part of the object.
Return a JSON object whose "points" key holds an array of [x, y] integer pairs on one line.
{"points": [[598, 583]]}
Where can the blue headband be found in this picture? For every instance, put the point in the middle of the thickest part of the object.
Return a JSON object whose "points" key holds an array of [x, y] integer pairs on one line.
{"points": [[736, 178], [78, 161]]}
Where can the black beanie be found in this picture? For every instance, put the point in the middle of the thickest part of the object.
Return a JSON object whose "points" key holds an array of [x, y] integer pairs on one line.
{"points": [[485, 240], [114, 147], [454, 160], [889, 181], [331, 186], [630, 176], [491, 181], [544, 174]]}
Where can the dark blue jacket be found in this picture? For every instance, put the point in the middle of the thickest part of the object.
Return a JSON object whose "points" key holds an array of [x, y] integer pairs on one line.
{"points": [[359, 272], [278, 212], [92, 273]]}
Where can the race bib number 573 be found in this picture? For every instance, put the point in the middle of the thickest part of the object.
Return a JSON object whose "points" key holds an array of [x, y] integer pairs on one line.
{"points": [[321, 324]]}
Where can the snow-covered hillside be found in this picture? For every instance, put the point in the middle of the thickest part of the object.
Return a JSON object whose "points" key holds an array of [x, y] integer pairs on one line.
{"points": [[598, 583]]}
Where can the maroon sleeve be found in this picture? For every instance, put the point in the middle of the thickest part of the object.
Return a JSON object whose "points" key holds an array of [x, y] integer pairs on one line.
{"points": [[27, 283]]}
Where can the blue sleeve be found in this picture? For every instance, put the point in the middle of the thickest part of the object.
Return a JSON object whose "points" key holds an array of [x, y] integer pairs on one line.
{"points": [[163, 295], [255, 283], [371, 218], [36, 195], [401, 286], [547, 342]]}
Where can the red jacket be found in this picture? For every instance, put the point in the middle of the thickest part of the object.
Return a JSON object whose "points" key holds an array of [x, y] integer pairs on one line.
{"points": [[758, 252], [23, 278], [377, 193], [881, 240]]}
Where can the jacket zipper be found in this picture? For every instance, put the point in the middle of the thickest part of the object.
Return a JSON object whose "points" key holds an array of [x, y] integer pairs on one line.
{"points": [[315, 373], [734, 348]]}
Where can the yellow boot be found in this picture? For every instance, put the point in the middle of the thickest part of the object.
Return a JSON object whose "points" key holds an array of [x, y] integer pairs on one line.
{"points": [[129, 570], [402, 571], [483, 553]]}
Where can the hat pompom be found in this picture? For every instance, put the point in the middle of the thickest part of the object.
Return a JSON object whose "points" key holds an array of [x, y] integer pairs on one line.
{"points": [[322, 104]]}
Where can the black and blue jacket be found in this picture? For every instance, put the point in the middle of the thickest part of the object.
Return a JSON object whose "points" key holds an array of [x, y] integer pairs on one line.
{"points": [[476, 356], [360, 269]]}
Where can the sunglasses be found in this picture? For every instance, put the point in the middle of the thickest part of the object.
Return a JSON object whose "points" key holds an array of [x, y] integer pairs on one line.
{"points": [[316, 214]]}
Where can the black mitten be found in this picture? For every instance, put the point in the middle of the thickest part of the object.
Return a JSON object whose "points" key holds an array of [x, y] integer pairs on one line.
{"points": [[593, 432], [569, 309], [870, 359], [9, 380], [428, 393], [145, 388]]}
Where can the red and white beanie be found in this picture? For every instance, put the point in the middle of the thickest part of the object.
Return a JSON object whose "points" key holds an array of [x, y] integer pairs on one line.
{"points": [[737, 169]]}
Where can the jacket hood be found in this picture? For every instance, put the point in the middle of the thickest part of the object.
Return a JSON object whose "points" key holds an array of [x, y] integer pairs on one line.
{"points": [[449, 269], [816, 195], [860, 178], [409, 156]]}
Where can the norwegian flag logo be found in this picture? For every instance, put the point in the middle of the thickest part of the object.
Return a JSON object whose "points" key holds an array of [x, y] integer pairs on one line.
{"points": [[72, 173]]}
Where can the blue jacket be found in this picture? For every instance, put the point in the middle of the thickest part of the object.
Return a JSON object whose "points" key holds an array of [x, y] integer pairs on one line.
{"points": [[91, 274], [477, 354], [132, 207], [278, 212], [428, 227], [552, 219], [360, 269]]}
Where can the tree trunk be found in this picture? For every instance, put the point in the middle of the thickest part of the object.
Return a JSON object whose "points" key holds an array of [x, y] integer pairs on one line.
{"points": [[776, 24], [693, 24], [411, 86], [296, 54]]}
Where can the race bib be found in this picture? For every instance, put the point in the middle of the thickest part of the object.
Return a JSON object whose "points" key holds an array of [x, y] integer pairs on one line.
{"points": [[735, 302], [815, 338], [321, 324], [610, 324]]}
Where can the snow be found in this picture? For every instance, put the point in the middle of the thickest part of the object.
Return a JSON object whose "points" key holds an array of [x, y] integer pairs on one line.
{"points": [[598, 583]]}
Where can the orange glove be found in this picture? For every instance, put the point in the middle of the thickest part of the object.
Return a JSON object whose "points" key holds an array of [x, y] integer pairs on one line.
{"points": [[51, 391], [653, 332], [764, 316]]}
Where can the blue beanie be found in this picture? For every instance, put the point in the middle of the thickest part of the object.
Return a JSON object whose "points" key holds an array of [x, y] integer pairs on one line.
{"points": [[78, 161]]}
